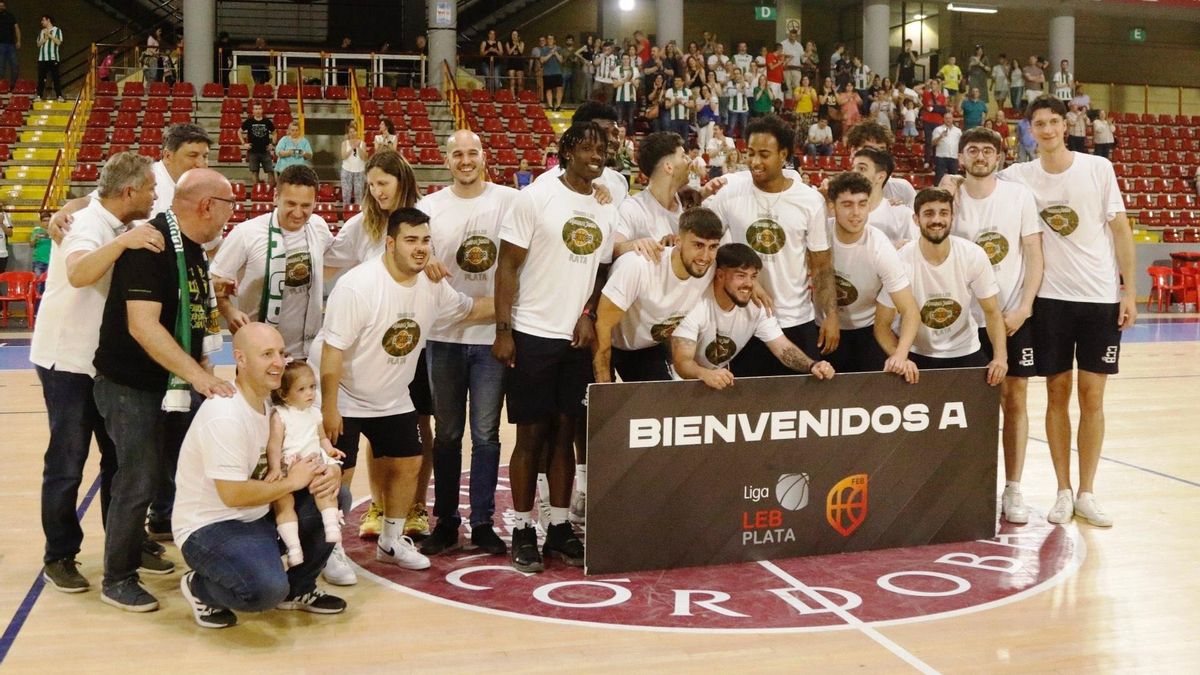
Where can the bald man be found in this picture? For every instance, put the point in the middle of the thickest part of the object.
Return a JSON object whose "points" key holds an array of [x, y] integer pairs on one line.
{"points": [[223, 523], [152, 358], [465, 226]]}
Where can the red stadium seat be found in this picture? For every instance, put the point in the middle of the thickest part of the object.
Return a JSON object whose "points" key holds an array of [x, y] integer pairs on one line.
{"points": [[123, 136], [263, 91], [310, 91], [106, 88], [351, 210], [238, 91], [229, 154], [406, 94], [262, 192], [287, 91], [485, 110], [176, 118], [8, 136], [335, 93], [126, 119], [152, 151], [325, 192], [368, 107], [104, 103], [383, 94], [426, 139], [480, 96], [281, 121], [510, 111], [518, 126], [181, 105], [430, 156], [420, 124], [183, 89], [156, 104], [393, 109], [90, 153], [151, 136], [506, 157], [541, 125], [94, 136], [505, 96], [130, 105], [159, 89], [26, 87], [115, 149], [21, 103], [231, 121], [499, 141], [417, 109], [133, 89], [239, 190], [533, 156], [86, 173], [231, 105], [212, 90], [494, 126], [525, 142], [430, 94], [279, 106], [527, 96]]}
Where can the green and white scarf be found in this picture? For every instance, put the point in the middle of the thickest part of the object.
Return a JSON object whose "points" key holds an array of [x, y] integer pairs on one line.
{"points": [[179, 397], [270, 306]]}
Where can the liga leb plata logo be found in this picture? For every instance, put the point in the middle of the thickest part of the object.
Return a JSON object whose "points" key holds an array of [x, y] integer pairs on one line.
{"points": [[766, 236], [847, 294], [402, 338], [582, 236], [1060, 218], [477, 254], [940, 312], [994, 244], [846, 504], [791, 491]]}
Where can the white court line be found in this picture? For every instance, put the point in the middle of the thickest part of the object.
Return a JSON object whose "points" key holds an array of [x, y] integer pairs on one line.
{"points": [[850, 619]]}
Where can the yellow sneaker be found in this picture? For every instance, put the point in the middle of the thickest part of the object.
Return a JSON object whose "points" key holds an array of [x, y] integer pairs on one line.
{"points": [[416, 524], [372, 522]]}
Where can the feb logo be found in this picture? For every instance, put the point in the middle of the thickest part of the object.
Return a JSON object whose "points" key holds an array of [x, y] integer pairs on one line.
{"points": [[847, 294], [720, 350], [791, 491], [582, 236], [994, 245], [402, 338], [1060, 218], [766, 236], [477, 254], [846, 504], [940, 312]]}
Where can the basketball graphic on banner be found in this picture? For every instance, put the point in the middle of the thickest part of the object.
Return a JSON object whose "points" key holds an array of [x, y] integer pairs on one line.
{"points": [[846, 504], [791, 491]]}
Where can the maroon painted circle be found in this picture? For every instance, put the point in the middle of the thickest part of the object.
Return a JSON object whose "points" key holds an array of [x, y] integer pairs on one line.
{"points": [[796, 594]]}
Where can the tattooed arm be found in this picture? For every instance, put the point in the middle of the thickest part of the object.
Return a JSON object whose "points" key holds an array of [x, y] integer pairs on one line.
{"points": [[791, 356]]}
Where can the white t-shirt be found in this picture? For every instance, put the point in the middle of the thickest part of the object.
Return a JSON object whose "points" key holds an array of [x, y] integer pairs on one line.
{"points": [[818, 134], [67, 331], [1076, 206], [643, 216], [719, 150], [352, 245], [568, 236], [863, 270], [898, 188], [947, 147], [301, 433], [997, 224], [894, 221], [381, 326], [782, 227], [227, 440], [944, 294], [243, 256], [617, 184], [743, 61], [654, 299], [354, 162], [466, 238], [720, 335]]}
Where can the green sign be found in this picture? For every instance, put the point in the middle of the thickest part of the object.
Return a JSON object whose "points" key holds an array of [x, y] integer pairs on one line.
{"points": [[764, 13], [1137, 34]]}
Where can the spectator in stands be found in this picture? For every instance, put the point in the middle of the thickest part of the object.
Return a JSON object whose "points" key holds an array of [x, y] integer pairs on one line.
{"points": [[721, 151], [386, 138], [851, 105], [626, 83], [523, 176], [933, 107], [1064, 82], [1016, 85], [1026, 143], [1077, 124], [150, 71], [256, 134], [945, 140], [652, 106], [354, 166], [909, 114], [693, 73], [742, 58], [570, 65], [1000, 81], [951, 76], [906, 65], [10, 44], [651, 68], [585, 56], [836, 58], [514, 49], [1103, 134], [39, 241], [973, 108], [793, 50], [1035, 79], [491, 52], [679, 104], [260, 66], [861, 76], [708, 110], [739, 93], [551, 63], [883, 109], [776, 61], [977, 71], [805, 105], [535, 67], [550, 157], [820, 139], [605, 66], [49, 43], [293, 149]]}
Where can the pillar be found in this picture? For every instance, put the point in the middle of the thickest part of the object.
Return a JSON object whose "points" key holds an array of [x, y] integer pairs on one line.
{"points": [[443, 38], [1062, 41], [876, 17], [669, 15], [200, 36], [787, 12]]}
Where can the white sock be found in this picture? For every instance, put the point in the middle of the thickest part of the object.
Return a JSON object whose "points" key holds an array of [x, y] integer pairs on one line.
{"points": [[393, 529], [559, 514], [333, 530], [522, 519], [290, 534], [1014, 485], [581, 478], [543, 487]]}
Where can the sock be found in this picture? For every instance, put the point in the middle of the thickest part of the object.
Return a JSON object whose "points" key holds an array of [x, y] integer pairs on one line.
{"points": [[522, 519], [333, 530], [581, 478], [543, 486], [290, 534], [393, 529], [558, 514], [345, 500], [1014, 485]]}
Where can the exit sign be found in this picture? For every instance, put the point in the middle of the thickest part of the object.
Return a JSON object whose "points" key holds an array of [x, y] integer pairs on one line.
{"points": [[764, 13], [1137, 34]]}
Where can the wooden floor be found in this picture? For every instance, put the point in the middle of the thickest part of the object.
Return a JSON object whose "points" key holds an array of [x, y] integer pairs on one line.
{"points": [[1133, 606]]}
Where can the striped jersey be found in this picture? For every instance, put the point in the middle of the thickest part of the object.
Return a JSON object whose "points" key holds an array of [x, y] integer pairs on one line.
{"points": [[48, 50], [677, 99], [626, 93], [737, 97], [606, 68]]}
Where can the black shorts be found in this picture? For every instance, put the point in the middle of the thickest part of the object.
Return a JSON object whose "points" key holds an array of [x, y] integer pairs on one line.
{"points": [[1067, 332], [392, 436], [858, 352], [756, 359], [418, 389], [550, 378], [551, 81], [642, 365], [1021, 361], [973, 360], [258, 160]]}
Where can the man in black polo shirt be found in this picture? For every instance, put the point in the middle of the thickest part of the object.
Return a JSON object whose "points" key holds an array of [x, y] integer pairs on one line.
{"points": [[10, 44], [148, 355], [257, 133]]}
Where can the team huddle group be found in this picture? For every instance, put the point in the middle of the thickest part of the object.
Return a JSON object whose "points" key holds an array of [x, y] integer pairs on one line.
{"points": [[479, 295]]}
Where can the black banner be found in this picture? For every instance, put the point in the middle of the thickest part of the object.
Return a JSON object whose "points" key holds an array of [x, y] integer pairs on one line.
{"points": [[681, 475]]}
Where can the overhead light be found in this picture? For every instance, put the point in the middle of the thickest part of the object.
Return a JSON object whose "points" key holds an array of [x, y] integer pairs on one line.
{"points": [[625, 5], [919, 17], [972, 9]]}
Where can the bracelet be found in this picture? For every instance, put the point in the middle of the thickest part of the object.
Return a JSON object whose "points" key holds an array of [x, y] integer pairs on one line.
{"points": [[589, 313]]}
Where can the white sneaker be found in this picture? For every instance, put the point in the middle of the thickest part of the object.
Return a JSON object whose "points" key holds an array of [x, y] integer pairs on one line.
{"points": [[402, 553], [338, 570], [1087, 508], [1064, 508], [579, 508], [1012, 507]]}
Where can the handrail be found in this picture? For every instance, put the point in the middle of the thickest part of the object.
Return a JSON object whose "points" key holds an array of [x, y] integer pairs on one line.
{"points": [[454, 98], [355, 105], [300, 99], [59, 184]]}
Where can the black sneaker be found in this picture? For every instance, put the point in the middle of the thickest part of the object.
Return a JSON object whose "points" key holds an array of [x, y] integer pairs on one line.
{"points": [[159, 530], [154, 564], [525, 556], [316, 601], [485, 539], [443, 539], [562, 542], [153, 547], [207, 616], [63, 576], [129, 596]]}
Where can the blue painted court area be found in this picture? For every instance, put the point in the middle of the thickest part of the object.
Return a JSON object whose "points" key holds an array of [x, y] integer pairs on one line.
{"points": [[14, 354]]}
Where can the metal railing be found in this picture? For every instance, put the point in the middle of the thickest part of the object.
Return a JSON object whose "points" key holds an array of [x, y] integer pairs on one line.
{"points": [[356, 105], [379, 69]]}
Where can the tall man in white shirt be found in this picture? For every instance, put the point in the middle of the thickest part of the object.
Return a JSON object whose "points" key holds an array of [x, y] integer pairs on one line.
{"points": [[947, 275], [866, 265], [64, 344], [725, 320], [1087, 296], [1001, 217], [376, 325], [783, 220], [895, 221], [465, 222], [793, 48], [555, 249], [643, 301], [945, 141]]}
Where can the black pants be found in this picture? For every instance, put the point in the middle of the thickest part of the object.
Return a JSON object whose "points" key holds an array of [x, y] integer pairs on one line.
{"points": [[48, 68], [1077, 143]]}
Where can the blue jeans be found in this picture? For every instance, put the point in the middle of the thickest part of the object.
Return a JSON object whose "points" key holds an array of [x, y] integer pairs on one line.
{"points": [[237, 564], [8, 61], [683, 128], [40, 268], [73, 421], [175, 428], [737, 124], [461, 374], [136, 424]]}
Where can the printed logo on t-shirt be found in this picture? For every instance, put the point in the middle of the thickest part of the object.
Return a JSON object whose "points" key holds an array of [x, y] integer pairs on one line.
{"points": [[662, 331], [582, 236], [847, 294], [402, 338], [939, 313], [477, 254], [994, 245], [1060, 218], [766, 236], [298, 269], [720, 350]]}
